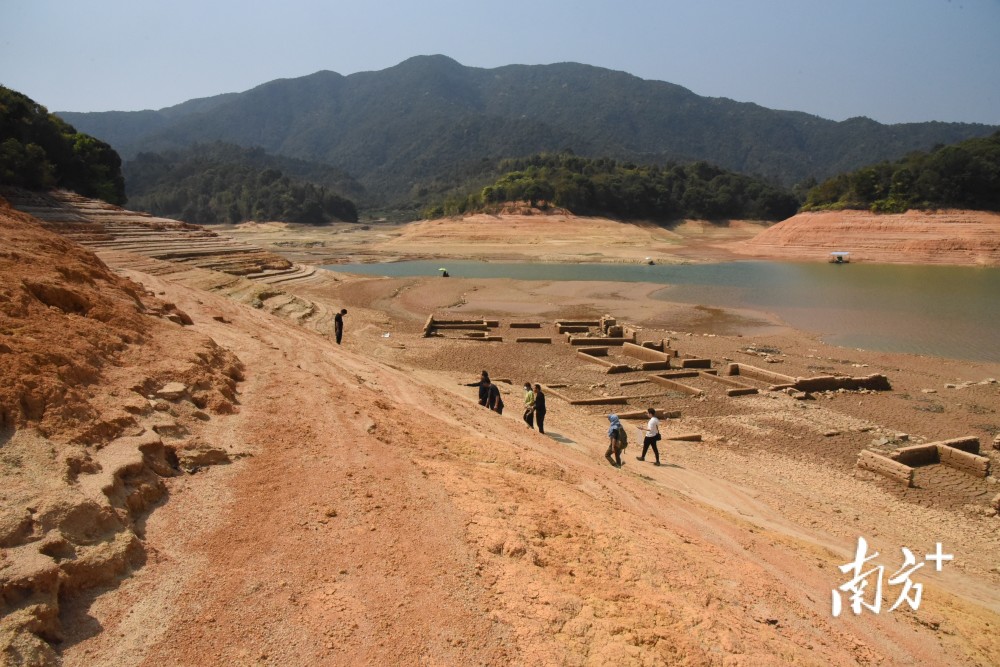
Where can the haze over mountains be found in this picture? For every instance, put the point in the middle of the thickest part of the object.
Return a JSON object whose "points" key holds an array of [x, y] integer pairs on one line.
{"points": [[429, 120]]}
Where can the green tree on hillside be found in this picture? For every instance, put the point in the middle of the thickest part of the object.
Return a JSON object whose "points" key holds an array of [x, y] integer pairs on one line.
{"points": [[39, 150], [963, 175], [220, 183], [624, 190]]}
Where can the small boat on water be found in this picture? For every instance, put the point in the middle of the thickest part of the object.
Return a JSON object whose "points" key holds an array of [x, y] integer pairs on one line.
{"points": [[840, 257]]}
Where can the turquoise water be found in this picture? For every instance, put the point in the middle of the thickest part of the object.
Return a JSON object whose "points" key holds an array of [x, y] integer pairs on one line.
{"points": [[939, 310]]}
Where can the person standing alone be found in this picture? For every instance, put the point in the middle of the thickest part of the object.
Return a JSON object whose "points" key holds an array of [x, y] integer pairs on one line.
{"points": [[338, 324]]}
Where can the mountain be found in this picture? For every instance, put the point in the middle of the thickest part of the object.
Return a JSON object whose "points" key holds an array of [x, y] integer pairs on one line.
{"points": [[430, 118]]}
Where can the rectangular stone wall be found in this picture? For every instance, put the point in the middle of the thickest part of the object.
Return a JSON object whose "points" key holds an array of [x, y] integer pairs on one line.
{"points": [[874, 382], [734, 388], [611, 366], [603, 400], [759, 374], [644, 353], [916, 455], [654, 365], [585, 340], [964, 461], [676, 386], [578, 323], [478, 326], [881, 465], [969, 443]]}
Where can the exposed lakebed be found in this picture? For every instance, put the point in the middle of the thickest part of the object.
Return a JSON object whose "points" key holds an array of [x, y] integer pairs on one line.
{"points": [[947, 311]]}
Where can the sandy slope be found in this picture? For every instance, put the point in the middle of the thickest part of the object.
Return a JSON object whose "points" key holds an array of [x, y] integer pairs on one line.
{"points": [[381, 517], [509, 237], [386, 519], [915, 237]]}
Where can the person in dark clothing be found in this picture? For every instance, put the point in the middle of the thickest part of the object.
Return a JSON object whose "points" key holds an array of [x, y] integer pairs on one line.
{"points": [[651, 436], [493, 400], [481, 383], [338, 324], [539, 408]]}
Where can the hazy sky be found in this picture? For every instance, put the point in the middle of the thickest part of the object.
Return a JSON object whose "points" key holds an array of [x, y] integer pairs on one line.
{"points": [[891, 60]]}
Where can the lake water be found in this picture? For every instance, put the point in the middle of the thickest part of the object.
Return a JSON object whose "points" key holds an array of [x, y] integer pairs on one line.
{"points": [[940, 310]]}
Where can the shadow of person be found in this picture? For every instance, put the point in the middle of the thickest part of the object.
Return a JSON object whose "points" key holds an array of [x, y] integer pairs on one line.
{"points": [[663, 464], [560, 438]]}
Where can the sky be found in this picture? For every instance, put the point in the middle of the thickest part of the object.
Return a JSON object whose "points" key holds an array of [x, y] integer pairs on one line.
{"points": [[894, 61]]}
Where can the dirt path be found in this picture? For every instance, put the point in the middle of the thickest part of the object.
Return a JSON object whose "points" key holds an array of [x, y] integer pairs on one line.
{"points": [[385, 519]]}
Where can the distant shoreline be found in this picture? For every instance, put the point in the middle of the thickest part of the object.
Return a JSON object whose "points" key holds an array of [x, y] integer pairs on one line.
{"points": [[958, 238]]}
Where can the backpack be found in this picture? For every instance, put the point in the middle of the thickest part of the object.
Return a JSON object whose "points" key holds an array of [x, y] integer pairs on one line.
{"points": [[622, 437]]}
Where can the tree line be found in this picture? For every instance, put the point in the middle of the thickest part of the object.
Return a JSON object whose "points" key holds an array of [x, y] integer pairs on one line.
{"points": [[604, 186], [219, 183], [962, 175], [38, 151]]}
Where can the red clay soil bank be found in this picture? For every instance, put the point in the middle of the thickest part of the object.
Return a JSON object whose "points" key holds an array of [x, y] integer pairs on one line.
{"points": [[51, 285], [89, 424], [915, 237]]}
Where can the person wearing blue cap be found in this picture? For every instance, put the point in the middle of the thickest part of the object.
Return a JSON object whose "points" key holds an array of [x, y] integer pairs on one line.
{"points": [[616, 441]]}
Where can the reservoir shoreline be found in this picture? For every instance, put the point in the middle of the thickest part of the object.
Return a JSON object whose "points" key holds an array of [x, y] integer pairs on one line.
{"points": [[933, 310]]}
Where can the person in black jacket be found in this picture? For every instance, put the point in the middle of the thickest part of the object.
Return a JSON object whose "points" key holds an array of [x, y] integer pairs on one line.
{"points": [[539, 408], [493, 400], [338, 324], [481, 383]]}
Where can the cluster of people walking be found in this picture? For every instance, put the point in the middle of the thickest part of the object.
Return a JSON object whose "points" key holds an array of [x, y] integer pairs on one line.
{"points": [[534, 400], [534, 406], [618, 439], [534, 415]]}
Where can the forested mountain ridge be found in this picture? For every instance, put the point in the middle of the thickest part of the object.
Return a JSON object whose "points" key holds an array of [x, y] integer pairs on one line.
{"points": [[430, 118]]}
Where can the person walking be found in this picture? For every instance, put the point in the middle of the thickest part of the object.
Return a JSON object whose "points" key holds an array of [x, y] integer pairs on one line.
{"points": [[493, 400], [529, 405], [540, 408], [652, 436], [338, 324], [615, 432]]}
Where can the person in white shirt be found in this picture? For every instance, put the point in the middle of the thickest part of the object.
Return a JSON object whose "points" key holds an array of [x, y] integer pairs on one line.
{"points": [[652, 436]]}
